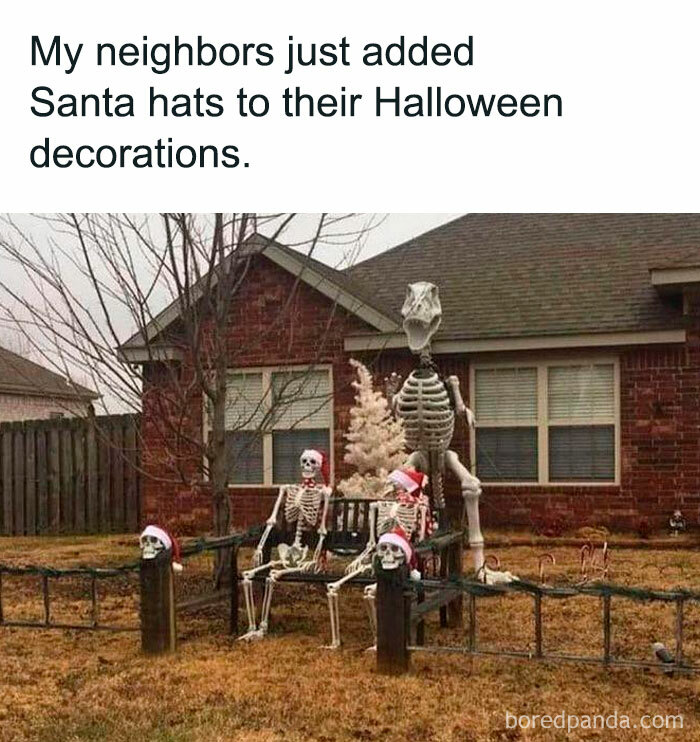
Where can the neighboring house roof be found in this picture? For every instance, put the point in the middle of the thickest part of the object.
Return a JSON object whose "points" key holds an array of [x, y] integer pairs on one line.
{"points": [[519, 275], [19, 375]]}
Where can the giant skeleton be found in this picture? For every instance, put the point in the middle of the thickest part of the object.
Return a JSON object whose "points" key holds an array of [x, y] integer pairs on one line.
{"points": [[306, 508], [428, 405]]}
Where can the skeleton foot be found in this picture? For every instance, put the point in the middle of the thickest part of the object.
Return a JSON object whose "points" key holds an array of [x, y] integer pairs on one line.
{"points": [[253, 635]]}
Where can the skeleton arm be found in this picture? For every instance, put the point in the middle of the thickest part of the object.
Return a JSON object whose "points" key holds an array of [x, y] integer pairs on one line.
{"points": [[322, 530], [369, 549], [392, 384], [460, 407], [269, 525]]}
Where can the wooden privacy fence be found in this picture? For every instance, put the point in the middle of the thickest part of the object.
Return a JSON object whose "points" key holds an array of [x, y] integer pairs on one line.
{"points": [[69, 476]]}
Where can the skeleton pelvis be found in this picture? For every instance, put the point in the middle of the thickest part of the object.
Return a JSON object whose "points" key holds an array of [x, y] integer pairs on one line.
{"points": [[292, 555]]}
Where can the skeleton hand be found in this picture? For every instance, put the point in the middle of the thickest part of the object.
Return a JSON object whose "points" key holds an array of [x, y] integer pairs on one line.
{"points": [[362, 560], [471, 420]]}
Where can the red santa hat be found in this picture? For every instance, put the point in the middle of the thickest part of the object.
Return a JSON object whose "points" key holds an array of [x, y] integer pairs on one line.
{"points": [[398, 537], [169, 541], [321, 458], [408, 479]]}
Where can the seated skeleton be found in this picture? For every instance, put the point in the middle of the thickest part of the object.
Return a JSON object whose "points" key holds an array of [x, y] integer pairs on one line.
{"points": [[305, 507], [404, 511]]}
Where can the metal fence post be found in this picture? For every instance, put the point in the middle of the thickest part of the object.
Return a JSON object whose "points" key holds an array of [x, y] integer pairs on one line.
{"points": [[606, 629], [393, 621], [158, 625], [455, 609]]}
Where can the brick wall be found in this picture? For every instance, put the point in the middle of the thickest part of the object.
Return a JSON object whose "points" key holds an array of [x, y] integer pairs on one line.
{"points": [[14, 407], [660, 419]]}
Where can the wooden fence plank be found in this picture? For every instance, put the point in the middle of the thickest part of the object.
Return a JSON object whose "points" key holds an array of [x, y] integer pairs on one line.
{"points": [[30, 478], [132, 476], [42, 480], [67, 489], [103, 478], [18, 477], [116, 440], [54, 451], [78, 435], [7, 526], [92, 493]]}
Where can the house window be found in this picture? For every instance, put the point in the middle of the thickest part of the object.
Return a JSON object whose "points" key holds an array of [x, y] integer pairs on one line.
{"points": [[272, 415], [546, 422]]}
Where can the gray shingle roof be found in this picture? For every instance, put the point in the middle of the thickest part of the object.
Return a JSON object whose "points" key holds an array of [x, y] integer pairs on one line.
{"points": [[19, 375], [515, 275]]}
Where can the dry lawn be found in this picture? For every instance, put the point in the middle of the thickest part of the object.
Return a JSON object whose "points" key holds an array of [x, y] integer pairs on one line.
{"points": [[70, 685]]}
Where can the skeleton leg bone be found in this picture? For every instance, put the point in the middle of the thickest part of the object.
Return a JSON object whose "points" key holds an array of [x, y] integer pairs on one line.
{"points": [[247, 584], [471, 490], [370, 601], [332, 591]]}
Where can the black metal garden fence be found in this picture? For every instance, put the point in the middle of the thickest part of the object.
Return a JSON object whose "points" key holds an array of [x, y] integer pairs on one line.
{"points": [[399, 597]]}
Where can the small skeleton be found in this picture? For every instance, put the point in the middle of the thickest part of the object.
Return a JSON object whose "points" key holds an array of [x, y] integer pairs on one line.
{"points": [[306, 505], [399, 511], [428, 405]]}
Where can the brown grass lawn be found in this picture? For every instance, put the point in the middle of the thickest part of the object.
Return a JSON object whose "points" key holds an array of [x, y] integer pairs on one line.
{"points": [[69, 685]]}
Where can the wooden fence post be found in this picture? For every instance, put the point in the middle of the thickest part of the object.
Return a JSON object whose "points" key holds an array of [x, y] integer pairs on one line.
{"points": [[393, 621], [158, 625]]}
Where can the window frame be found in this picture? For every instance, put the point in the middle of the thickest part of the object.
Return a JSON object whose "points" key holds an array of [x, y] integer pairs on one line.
{"points": [[542, 423], [266, 372]]}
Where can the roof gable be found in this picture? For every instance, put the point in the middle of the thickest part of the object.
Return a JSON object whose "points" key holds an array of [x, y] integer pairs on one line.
{"points": [[335, 285]]}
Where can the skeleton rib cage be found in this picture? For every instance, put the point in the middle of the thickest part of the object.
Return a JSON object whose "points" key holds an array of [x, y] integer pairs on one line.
{"points": [[302, 506], [425, 408], [391, 513]]}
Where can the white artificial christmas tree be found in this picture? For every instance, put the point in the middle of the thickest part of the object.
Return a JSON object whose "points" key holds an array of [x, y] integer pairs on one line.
{"points": [[375, 439]]}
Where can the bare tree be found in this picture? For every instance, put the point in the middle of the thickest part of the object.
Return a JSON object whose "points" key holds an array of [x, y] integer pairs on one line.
{"points": [[71, 293]]}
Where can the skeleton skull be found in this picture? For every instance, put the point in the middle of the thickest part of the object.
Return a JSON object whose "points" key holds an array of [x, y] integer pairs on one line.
{"points": [[151, 546], [310, 462], [422, 314], [390, 555]]}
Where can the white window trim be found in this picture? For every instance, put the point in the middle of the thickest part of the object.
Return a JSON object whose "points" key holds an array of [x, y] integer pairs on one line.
{"points": [[266, 372], [542, 423]]}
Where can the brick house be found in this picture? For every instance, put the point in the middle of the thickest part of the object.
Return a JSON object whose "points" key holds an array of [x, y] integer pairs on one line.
{"points": [[29, 391], [576, 339]]}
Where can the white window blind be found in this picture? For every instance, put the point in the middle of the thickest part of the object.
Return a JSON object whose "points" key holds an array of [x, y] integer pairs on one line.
{"points": [[582, 393], [244, 401], [301, 400], [506, 395]]}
